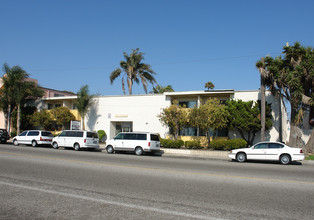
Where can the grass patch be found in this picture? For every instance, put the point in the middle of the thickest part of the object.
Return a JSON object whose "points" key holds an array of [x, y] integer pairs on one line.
{"points": [[310, 157]]}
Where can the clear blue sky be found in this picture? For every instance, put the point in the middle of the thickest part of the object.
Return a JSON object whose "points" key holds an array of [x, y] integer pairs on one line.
{"points": [[66, 44]]}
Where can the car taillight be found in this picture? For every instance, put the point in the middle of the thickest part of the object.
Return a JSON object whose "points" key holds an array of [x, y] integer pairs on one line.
{"points": [[301, 151], [41, 139], [148, 144], [84, 140]]}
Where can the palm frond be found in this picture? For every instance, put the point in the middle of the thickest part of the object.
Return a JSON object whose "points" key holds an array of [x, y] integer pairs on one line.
{"points": [[115, 74]]}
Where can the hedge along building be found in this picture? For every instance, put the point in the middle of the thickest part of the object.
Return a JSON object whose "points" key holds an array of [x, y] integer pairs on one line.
{"points": [[140, 112]]}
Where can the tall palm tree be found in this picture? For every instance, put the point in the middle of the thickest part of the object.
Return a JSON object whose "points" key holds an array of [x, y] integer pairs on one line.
{"points": [[135, 71], [84, 101], [260, 65]]}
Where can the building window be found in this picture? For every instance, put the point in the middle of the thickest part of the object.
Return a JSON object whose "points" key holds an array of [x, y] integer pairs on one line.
{"points": [[188, 104], [49, 106], [74, 106], [58, 105]]}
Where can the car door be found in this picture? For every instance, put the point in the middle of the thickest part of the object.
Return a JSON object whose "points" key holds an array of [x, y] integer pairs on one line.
{"points": [[21, 138], [60, 139], [273, 151], [119, 141], [257, 152]]}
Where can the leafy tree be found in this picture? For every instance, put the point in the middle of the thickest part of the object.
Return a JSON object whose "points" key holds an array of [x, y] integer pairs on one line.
{"points": [[42, 118], [17, 90], [209, 85], [244, 117], [173, 117], [292, 76], [210, 115], [162, 89], [62, 115], [84, 101], [134, 71]]}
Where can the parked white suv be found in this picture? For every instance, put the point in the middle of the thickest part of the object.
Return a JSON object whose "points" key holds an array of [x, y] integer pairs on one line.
{"points": [[138, 142], [33, 137], [76, 139]]}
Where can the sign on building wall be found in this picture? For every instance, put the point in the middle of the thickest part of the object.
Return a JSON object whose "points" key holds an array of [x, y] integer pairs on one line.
{"points": [[75, 125]]}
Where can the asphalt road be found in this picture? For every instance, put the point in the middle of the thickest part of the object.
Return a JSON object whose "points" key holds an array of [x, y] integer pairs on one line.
{"points": [[43, 183]]}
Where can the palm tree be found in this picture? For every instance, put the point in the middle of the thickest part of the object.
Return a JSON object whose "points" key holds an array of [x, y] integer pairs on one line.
{"points": [[161, 89], [209, 85], [260, 65], [16, 91], [84, 101], [134, 70]]}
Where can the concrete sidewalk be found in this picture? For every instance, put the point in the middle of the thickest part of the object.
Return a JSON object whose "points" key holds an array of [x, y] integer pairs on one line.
{"points": [[205, 154]]}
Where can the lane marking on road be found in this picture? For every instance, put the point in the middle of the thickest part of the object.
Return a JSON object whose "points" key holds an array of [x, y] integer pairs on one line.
{"points": [[109, 202], [160, 170]]}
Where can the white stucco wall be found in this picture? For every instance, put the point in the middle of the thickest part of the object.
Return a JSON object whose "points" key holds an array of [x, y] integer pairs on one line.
{"points": [[141, 110]]}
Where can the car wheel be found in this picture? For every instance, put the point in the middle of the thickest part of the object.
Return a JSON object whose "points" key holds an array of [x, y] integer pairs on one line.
{"points": [[110, 149], [77, 147], [34, 143], [15, 142], [138, 151], [241, 157], [55, 145], [285, 159]]}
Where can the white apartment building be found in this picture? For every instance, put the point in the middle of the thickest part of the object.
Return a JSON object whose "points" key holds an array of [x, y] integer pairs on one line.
{"points": [[114, 114]]}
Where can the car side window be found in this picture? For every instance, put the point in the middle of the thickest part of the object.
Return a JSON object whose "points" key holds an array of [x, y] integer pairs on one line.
{"points": [[62, 134], [261, 146], [129, 136], [79, 134], [23, 133], [141, 137], [274, 146], [33, 133], [119, 136]]}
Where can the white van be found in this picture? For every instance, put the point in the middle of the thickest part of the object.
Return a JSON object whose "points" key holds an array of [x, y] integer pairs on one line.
{"points": [[33, 137], [138, 142], [76, 139]]}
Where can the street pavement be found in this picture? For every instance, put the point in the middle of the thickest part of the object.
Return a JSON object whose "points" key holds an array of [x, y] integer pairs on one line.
{"points": [[43, 183]]}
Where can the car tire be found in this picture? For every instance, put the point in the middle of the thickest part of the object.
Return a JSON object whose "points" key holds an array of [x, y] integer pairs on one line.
{"points": [[241, 157], [77, 147], [15, 142], [55, 145], [285, 159], [109, 149], [138, 151], [34, 143]]}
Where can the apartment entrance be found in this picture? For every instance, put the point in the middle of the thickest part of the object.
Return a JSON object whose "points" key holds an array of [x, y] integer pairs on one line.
{"points": [[122, 127]]}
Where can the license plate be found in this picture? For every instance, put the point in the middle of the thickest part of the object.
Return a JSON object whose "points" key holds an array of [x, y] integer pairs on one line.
{"points": [[95, 142]]}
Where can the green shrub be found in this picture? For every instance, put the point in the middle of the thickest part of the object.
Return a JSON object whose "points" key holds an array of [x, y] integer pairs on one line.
{"points": [[193, 145], [101, 135], [235, 144], [218, 144], [223, 144], [167, 143]]}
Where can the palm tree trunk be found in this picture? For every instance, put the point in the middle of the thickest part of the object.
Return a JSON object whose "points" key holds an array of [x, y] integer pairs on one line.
{"points": [[18, 122], [309, 147], [130, 84], [83, 123], [9, 118], [263, 109]]}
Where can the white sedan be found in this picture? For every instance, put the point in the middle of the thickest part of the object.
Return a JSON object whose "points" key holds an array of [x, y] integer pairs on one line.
{"points": [[268, 151]]}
